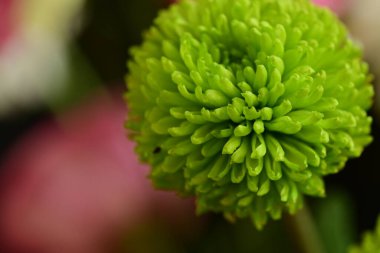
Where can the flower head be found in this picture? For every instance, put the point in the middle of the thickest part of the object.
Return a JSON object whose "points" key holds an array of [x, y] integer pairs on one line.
{"points": [[247, 104]]}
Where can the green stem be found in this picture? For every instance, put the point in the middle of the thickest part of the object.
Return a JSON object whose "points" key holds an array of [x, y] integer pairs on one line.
{"points": [[304, 232]]}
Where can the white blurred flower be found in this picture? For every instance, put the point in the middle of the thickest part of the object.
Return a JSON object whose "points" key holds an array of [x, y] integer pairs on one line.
{"points": [[33, 60], [364, 23]]}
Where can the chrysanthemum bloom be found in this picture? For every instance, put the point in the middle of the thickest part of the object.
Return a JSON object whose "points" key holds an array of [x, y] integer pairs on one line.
{"points": [[370, 243], [247, 104]]}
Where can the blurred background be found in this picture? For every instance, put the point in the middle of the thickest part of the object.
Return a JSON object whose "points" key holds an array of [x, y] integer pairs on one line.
{"points": [[69, 180]]}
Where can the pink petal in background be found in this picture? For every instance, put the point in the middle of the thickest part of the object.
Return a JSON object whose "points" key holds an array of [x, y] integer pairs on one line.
{"points": [[338, 6], [75, 182], [6, 20]]}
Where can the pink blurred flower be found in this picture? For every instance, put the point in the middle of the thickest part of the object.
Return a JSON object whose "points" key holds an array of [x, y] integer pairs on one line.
{"points": [[74, 182], [6, 21], [338, 6]]}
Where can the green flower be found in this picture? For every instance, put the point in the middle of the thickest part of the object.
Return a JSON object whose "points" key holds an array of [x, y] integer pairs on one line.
{"points": [[247, 104], [370, 243]]}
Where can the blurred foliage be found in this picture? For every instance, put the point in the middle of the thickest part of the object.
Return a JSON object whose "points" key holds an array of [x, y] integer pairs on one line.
{"points": [[81, 81], [370, 242], [216, 235], [334, 218], [111, 27]]}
